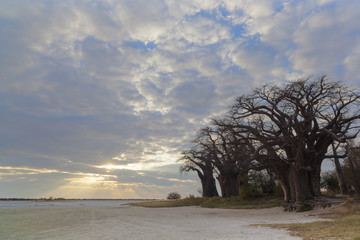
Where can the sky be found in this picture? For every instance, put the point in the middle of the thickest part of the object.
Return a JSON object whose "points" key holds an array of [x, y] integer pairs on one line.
{"points": [[98, 98]]}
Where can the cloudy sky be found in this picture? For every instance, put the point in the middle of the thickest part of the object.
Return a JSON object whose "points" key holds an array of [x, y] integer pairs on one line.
{"points": [[97, 98]]}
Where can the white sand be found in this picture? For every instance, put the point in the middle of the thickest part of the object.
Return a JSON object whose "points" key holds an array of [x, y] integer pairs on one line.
{"points": [[127, 222]]}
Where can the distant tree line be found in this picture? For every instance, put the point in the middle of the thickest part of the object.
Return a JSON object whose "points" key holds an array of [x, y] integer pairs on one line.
{"points": [[283, 130], [33, 199]]}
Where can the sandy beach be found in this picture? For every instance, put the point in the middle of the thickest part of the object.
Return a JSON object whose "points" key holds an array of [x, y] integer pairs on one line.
{"points": [[128, 222]]}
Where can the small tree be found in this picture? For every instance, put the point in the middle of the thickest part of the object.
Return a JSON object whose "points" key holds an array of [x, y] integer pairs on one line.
{"points": [[173, 195]]}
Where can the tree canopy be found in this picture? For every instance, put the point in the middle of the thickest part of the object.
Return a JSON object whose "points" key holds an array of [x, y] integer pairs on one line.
{"points": [[287, 129]]}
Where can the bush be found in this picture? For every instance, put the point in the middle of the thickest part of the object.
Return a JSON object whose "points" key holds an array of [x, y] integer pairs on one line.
{"points": [[265, 183], [250, 190], [304, 207], [330, 182], [173, 195], [259, 184]]}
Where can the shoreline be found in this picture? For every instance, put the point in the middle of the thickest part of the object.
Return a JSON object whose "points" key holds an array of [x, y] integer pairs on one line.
{"points": [[131, 222], [76, 199]]}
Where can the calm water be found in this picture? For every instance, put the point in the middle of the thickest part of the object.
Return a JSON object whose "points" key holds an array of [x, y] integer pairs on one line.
{"points": [[59, 220], [26, 204]]}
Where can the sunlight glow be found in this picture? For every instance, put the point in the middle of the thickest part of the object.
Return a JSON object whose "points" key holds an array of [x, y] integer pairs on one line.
{"points": [[96, 181], [134, 166]]}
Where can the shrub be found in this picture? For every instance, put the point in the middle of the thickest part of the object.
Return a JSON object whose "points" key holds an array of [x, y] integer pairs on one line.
{"points": [[173, 195], [265, 183], [250, 190], [258, 184], [330, 182], [304, 207]]}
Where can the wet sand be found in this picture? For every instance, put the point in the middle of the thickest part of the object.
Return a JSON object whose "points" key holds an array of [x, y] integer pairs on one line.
{"points": [[128, 222]]}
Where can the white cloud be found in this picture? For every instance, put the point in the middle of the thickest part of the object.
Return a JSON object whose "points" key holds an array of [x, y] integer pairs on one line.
{"points": [[202, 31], [234, 5], [250, 59], [259, 8], [324, 40], [323, 2], [145, 23], [184, 8], [85, 82], [352, 63]]}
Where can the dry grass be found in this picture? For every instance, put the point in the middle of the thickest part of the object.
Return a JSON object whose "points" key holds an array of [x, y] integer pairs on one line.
{"points": [[170, 203], [214, 202], [344, 224]]}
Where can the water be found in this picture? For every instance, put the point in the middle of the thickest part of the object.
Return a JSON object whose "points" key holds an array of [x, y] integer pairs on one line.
{"points": [[59, 220], [29, 204]]}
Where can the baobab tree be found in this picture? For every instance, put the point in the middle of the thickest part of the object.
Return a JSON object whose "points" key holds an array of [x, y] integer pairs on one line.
{"points": [[198, 160], [229, 154], [294, 125], [217, 151]]}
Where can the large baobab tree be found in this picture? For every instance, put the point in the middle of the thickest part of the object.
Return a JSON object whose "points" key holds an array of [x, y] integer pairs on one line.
{"points": [[197, 159], [229, 154], [294, 125]]}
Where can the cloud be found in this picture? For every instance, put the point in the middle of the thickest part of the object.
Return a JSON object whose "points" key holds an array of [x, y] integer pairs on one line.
{"points": [[351, 62], [311, 36], [114, 183], [202, 31], [194, 96], [91, 83], [324, 39]]}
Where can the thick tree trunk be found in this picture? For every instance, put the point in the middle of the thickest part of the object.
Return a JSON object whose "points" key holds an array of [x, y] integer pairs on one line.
{"points": [[229, 182], [282, 175], [203, 184], [339, 172], [340, 176], [231, 185], [221, 183], [208, 183], [315, 178], [283, 178], [355, 176], [300, 179], [299, 184], [286, 189], [209, 187]]}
